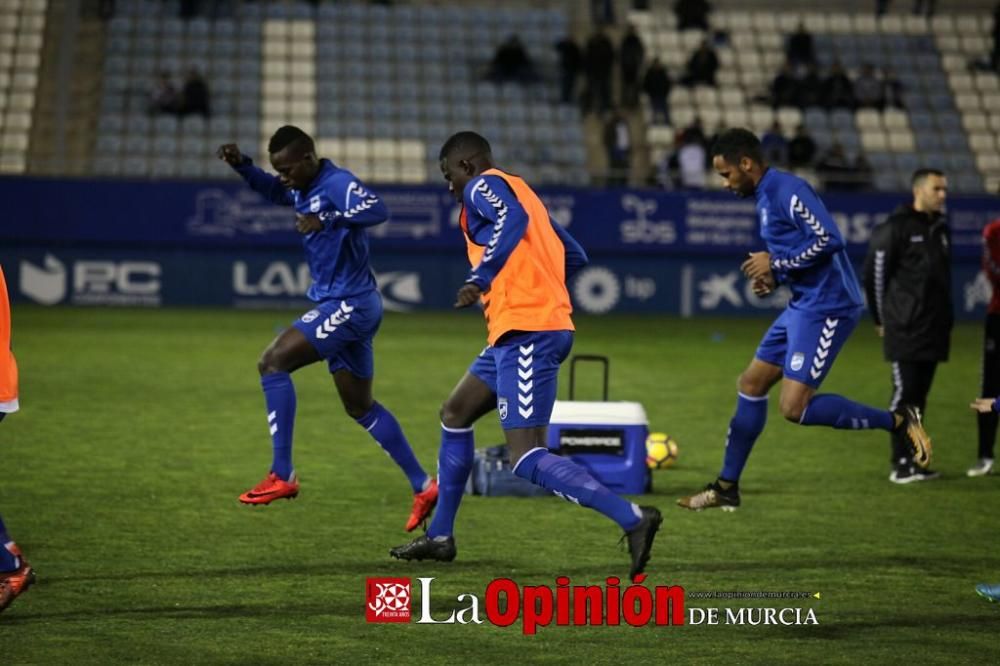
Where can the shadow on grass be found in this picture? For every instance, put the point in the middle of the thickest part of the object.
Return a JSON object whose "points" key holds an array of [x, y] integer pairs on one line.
{"points": [[388, 567]]}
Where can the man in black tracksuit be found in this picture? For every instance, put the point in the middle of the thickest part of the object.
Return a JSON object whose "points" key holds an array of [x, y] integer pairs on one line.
{"points": [[908, 285]]}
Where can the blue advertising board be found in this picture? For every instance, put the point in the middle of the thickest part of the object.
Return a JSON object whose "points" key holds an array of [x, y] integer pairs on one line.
{"points": [[408, 281], [227, 215]]}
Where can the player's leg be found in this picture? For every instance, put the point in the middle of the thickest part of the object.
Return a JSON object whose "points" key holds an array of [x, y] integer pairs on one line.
{"points": [[472, 397], [295, 347], [15, 572], [814, 342], [747, 422], [987, 423], [527, 377], [352, 365]]}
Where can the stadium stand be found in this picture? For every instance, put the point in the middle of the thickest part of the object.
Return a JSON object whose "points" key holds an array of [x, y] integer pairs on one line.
{"points": [[950, 119], [380, 87], [22, 24]]}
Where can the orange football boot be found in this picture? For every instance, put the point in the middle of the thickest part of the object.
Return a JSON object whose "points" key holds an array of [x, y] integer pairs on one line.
{"points": [[271, 488], [423, 503]]}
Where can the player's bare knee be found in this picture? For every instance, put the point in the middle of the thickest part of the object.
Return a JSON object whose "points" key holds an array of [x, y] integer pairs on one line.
{"points": [[451, 416], [749, 385], [357, 409], [792, 409], [268, 363]]}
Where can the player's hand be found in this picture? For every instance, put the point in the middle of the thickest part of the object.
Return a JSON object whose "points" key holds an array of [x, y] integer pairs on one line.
{"points": [[307, 224], [757, 266], [467, 295], [764, 286], [230, 154], [982, 405], [880, 331]]}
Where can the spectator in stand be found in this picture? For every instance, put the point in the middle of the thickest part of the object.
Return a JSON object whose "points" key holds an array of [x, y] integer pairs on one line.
{"points": [[511, 63], [775, 146], [570, 66], [692, 14], [862, 173], [838, 91], [164, 98], [195, 96], [696, 132], [810, 88], [618, 144], [702, 66], [801, 149], [633, 53], [800, 49], [892, 90], [657, 85], [598, 61], [925, 7], [691, 158], [995, 53], [868, 89], [834, 169], [785, 87]]}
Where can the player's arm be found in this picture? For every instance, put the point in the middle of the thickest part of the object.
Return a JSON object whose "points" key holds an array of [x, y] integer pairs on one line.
{"points": [[576, 256], [259, 180], [491, 200], [879, 266], [822, 235], [354, 203]]}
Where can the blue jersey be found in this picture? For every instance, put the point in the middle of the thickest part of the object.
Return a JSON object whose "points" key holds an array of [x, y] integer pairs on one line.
{"points": [[487, 229], [338, 254], [807, 251]]}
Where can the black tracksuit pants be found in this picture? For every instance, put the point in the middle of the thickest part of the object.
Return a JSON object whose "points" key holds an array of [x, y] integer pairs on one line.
{"points": [[911, 382]]}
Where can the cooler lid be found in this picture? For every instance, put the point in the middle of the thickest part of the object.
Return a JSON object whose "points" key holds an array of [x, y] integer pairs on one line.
{"points": [[580, 412]]}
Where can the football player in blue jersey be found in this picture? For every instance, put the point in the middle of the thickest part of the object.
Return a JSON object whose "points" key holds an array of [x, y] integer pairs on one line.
{"points": [[806, 252], [333, 208]]}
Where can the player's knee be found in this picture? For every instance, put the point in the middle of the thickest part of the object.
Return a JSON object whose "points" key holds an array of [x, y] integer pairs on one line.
{"points": [[356, 409], [268, 363], [749, 385], [792, 409], [452, 416]]}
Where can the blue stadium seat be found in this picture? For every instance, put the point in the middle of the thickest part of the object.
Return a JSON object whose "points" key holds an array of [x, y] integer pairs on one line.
{"points": [[135, 166], [108, 144], [138, 124], [165, 125], [107, 166]]}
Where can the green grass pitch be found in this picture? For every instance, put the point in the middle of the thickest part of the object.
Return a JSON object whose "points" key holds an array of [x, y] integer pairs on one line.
{"points": [[138, 430]]}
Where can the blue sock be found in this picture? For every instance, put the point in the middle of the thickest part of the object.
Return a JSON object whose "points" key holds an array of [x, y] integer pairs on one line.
{"points": [[744, 429], [837, 411], [7, 560], [384, 428], [279, 395], [574, 483], [454, 464]]}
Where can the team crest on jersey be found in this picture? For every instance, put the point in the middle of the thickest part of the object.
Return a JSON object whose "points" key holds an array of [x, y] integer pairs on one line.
{"points": [[798, 358], [314, 204], [502, 408], [310, 316]]}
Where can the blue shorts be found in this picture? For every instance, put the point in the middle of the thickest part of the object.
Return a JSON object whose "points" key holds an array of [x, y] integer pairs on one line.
{"points": [[523, 371], [804, 344], [341, 330]]}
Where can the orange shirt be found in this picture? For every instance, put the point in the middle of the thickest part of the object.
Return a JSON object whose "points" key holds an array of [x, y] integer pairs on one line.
{"points": [[8, 366], [529, 293]]}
